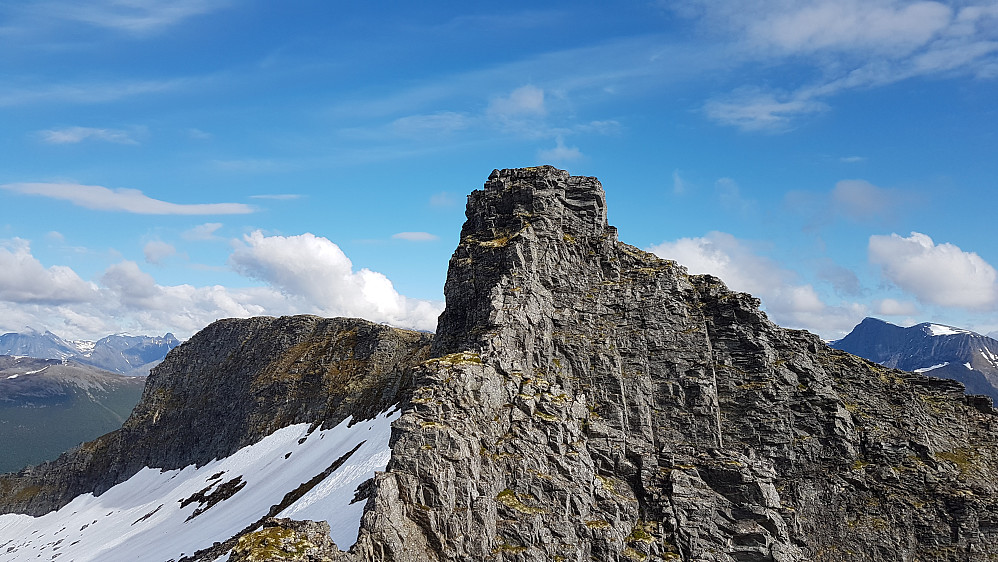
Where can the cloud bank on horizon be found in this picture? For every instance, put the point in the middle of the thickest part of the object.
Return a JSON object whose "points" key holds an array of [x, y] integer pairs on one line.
{"points": [[170, 163], [302, 274]]}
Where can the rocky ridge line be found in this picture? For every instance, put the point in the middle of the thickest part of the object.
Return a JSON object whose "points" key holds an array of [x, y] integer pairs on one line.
{"points": [[591, 401]]}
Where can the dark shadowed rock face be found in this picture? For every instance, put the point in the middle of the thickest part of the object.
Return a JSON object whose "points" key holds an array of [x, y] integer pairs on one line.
{"points": [[590, 401], [229, 386]]}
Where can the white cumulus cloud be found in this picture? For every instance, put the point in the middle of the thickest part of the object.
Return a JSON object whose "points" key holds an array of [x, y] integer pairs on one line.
{"points": [[786, 300], [303, 275], [314, 269], [23, 279], [940, 274]]}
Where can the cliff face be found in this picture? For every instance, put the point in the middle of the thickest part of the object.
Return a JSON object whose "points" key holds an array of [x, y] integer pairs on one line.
{"points": [[592, 401], [583, 400]]}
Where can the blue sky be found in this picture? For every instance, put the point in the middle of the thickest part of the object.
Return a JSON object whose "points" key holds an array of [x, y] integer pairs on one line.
{"points": [[164, 164]]}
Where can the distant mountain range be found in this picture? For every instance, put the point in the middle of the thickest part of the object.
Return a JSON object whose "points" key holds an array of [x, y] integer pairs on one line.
{"points": [[124, 354], [48, 406], [932, 349]]}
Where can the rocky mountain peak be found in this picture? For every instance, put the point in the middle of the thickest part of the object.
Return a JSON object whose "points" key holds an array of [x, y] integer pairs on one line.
{"points": [[556, 201], [518, 226], [586, 400], [593, 401]]}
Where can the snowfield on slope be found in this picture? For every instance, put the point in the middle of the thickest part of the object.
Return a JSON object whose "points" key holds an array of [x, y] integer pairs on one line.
{"points": [[933, 367], [940, 330], [162, 515]]}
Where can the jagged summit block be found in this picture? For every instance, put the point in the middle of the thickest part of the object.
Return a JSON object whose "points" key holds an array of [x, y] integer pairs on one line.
{"points": [[586, 400], [528, 207]]}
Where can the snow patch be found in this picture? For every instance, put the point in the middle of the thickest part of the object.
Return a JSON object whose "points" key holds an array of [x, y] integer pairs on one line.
{"points": [[12, 377], [967, 365], [925, 369], [143, 517], [84, 347], [940, 330], [36, 371], [986, 352]]}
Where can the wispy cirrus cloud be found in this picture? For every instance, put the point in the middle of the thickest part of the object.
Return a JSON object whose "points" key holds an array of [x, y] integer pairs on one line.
{"points": [[278, 196], [156, 251], [756, 110], [12, 94], [854, 200], [254, 165], [204, 231], [560, 153], [128, 16], [441, 123], [101, 198], [415, 236], [850, 44], [73, 135]]}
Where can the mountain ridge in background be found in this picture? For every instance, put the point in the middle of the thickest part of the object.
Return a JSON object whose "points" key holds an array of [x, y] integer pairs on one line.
{"points": [[48, 406], [930, 348], [119, 353], [581, 400]]}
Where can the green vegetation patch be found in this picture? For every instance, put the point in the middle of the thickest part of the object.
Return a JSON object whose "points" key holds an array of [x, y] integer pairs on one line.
{"points": [[643, 531], [460, 358], [510, 499], [272, 543], [964, 459]]}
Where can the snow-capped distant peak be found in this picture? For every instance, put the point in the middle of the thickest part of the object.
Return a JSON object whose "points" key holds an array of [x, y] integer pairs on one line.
{"points": [[84, 346], [940, 330]]}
